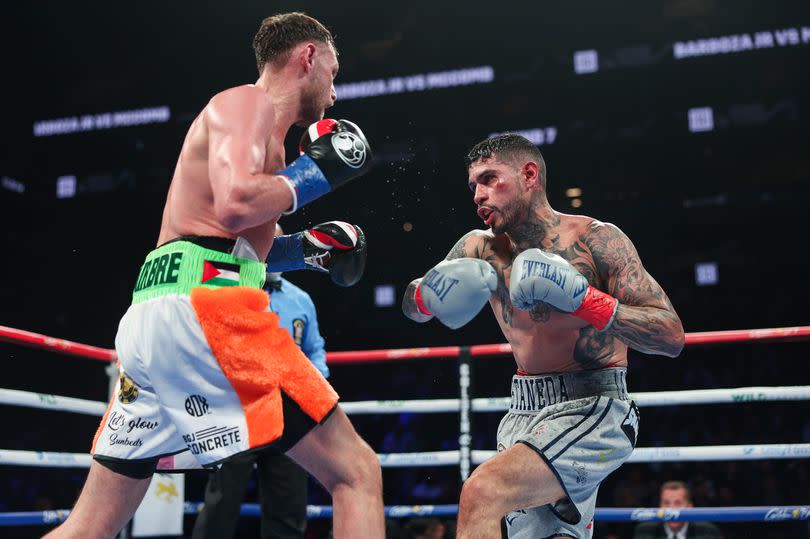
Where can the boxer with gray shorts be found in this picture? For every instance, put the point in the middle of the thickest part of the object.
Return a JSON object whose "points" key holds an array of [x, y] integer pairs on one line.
{"points": [[584, 426], [571, 295]]}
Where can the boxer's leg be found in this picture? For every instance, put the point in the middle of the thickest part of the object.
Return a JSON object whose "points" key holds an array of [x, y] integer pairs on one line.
{"points": [[107, 502], [350, 470], [511, 480]]}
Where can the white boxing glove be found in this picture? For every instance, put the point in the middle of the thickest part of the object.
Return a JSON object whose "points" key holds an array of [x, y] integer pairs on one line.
{"points": [[538, 276], [455, 290]]}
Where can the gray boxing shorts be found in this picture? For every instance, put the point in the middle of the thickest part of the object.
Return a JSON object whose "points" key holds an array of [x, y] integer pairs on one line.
{"points": [[583, 425]]}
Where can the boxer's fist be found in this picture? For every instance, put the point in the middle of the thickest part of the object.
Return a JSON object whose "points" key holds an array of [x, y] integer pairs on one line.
{"points": [[455, 290], [332, 153], [339, 148], [338, 248], [538, 277]]}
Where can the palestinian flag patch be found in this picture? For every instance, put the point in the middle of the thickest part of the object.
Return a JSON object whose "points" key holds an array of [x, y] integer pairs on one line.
{"points": [[220, 273]]}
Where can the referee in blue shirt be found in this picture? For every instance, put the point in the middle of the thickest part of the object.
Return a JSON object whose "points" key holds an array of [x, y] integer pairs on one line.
{"points": [[282, 483]]}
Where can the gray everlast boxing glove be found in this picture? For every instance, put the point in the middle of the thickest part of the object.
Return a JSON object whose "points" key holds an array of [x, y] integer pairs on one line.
{"points": [[538, 276], [455, 290]]}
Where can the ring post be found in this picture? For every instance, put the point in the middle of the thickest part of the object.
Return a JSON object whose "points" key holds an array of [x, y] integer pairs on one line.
{"points": [[465, 412]]}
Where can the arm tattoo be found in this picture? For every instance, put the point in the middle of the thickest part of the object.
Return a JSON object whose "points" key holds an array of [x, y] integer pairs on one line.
{"points": [[507, 310], [503, 298], [459, 250], [646, 320]]}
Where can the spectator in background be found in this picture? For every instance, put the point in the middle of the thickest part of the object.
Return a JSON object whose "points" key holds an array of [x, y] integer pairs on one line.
{"points": [[282, 483], [675, 495]]}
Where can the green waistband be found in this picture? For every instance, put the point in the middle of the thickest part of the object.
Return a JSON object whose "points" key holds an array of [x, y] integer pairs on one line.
{"points": [[179, 266]]}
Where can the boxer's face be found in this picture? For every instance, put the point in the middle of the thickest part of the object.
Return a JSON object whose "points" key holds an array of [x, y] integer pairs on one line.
{"points": [[498, 194], [319, 92]]}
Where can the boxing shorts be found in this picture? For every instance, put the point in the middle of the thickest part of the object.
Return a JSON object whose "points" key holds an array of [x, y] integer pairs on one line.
{"points": [[204, 365], [584, 426]]}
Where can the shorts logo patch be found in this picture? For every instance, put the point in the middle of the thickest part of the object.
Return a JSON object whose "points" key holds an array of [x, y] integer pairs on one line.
{"points": [[196, 405], [298, 331], [630, 424], [128, 391]]}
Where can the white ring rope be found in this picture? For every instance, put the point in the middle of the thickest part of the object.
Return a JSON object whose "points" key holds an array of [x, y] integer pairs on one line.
{"points": [[451, 458], [487, 404], [44, 458], [700, 453], [654, 398], [722, 396], [52, 402]]}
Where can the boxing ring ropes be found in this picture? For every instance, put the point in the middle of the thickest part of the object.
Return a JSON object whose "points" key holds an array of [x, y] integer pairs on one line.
{"points": [[465, 405]]}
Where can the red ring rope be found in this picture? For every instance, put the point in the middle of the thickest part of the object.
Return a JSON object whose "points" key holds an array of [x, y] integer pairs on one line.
{"points": [[35, 340]]}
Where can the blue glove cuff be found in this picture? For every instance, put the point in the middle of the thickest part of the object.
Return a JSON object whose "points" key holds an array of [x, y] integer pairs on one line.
{"points": [[287, 253], [307, 181]]}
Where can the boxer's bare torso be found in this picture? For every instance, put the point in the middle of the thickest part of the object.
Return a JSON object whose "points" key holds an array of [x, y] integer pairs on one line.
{"points": [[545, 339], [190, 205], [510, 199]]}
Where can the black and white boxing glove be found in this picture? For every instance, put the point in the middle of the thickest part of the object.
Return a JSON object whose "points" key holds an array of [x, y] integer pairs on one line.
{"points": [[332, 153], [335, 247]]}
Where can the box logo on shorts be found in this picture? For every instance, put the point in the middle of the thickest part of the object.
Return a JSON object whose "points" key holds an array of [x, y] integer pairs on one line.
{"points": [[196, 405]]}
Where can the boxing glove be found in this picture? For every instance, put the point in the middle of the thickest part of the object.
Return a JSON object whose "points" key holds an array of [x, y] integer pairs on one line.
{"points": [[538, 277], [335, 247], [454, 291], [332, 153]]}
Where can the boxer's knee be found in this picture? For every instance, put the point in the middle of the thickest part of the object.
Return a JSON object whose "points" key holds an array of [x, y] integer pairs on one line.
{"points": [[482, 491], [359, 471], [366, 472]]}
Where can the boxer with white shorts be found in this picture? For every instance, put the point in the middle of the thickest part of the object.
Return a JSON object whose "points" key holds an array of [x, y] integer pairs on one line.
{"points": [[205, 367]]}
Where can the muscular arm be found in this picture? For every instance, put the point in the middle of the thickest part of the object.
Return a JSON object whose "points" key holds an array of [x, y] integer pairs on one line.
{"points": [[645, 320], [467, 247], [239, 126]]}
